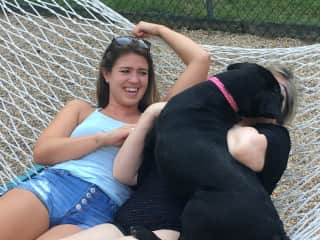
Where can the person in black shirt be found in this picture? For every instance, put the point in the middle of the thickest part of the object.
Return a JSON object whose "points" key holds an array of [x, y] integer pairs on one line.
{"points": [[223, 198]]}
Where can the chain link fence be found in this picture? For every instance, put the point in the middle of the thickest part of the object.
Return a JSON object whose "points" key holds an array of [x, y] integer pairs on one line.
{"points": [[272, 18]]}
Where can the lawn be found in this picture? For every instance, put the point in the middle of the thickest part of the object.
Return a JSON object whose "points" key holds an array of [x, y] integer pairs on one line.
{"points": [[284, 11], [275, 11]]}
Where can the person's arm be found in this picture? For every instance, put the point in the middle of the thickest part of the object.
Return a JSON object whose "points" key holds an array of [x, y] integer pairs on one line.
{"points": [[197, 59], [55, 144], [129, 157], [247, 146]]}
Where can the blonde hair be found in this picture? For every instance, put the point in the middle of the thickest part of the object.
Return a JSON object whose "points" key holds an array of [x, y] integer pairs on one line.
{"points": [[290, 105]]}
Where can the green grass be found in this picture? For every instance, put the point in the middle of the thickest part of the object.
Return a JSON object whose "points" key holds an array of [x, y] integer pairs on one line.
{"points": [[284, 11], [277, 11], [170, 7]]}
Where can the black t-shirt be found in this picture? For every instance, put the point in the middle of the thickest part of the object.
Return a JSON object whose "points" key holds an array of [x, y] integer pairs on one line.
{"points": [[277, 154]]}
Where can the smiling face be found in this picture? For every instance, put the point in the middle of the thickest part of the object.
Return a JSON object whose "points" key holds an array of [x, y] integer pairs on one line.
{"points": [[128, 80], [139, 59]]}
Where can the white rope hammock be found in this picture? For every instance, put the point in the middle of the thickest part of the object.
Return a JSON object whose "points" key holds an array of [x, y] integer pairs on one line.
{"points": [[50, 54]]}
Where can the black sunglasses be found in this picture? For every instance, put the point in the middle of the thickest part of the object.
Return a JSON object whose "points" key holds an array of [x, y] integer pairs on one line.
{"points": [[126, 41]]}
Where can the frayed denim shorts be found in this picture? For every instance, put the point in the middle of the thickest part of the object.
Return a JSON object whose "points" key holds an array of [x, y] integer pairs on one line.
{"points": [[70, 200]]}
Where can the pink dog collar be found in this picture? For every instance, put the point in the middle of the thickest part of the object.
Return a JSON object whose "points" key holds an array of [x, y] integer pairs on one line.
{"points": [[225, 93]]}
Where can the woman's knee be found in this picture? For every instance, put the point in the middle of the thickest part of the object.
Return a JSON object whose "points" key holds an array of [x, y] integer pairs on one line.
{"points": [[21, 209], [99, 232], [60, 231]]}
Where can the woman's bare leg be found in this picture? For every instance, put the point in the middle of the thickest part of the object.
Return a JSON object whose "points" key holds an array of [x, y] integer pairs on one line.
{"points": [[99, 232], [111, 232], [22, 216], [60, 231]]}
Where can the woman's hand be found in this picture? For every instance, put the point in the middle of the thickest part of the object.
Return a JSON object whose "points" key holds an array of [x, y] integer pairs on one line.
{"points": [[145, 29], [154, 109], [116, 137]]}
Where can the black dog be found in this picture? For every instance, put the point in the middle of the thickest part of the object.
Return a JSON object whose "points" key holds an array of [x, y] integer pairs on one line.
{"points": [[224, 199]]}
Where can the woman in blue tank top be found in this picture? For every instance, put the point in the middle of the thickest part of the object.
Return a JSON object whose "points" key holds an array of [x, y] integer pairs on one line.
{"points": [[78, 190]]}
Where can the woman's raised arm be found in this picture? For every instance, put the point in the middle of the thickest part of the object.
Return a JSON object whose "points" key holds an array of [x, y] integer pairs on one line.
{"points": [[197, 59]]}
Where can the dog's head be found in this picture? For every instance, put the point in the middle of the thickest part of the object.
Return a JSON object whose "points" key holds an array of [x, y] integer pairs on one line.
{"points": [[256, 91]]}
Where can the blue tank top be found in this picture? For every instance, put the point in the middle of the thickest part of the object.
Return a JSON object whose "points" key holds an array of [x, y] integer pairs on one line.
{"points": [[96, 167]]}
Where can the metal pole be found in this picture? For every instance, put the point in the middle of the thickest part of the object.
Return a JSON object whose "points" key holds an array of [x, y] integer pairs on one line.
{"points": [[209, 8]]}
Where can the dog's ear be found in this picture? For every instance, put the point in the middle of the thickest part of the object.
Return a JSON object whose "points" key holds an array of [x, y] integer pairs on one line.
{"points": [[268, 104]]}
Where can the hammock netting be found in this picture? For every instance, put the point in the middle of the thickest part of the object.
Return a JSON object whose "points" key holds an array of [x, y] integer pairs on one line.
{"points": [[50, 52]]}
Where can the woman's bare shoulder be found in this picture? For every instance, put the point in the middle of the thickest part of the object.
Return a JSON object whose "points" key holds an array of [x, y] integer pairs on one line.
{"points": [[82, 107]]}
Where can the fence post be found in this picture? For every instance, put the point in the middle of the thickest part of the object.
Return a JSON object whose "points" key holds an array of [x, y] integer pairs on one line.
{"points": [[209, 8]]}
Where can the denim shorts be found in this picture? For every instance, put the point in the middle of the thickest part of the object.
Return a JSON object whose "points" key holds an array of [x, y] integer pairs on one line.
{"points": [[70, 200]]}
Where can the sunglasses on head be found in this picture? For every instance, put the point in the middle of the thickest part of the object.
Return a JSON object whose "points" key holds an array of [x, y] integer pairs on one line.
{"points": [[126, 41]]}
